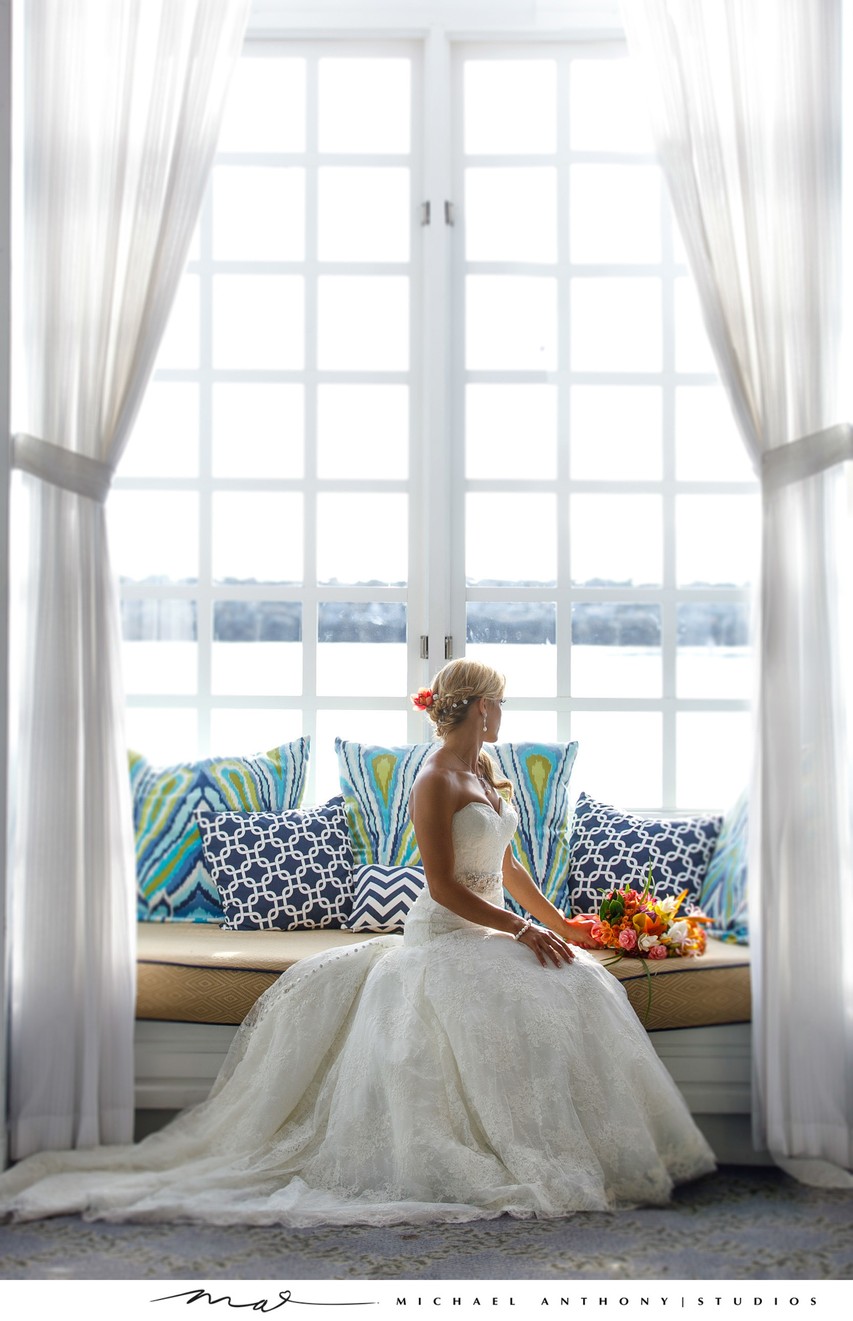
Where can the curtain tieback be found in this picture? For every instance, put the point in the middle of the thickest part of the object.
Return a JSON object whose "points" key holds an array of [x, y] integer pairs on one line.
{"points": [[807, 456], [61, 467]]}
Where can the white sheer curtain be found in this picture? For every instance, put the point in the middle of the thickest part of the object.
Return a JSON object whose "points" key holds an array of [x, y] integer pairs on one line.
{"points": [[122, 105], [746, 108]]}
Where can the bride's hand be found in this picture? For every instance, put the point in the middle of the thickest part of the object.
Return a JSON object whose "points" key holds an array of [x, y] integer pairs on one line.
{"points": [[579, 930], [546, 945]]}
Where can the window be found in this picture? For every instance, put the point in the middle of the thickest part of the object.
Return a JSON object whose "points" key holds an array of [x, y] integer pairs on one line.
{"points": [[496, 423]]}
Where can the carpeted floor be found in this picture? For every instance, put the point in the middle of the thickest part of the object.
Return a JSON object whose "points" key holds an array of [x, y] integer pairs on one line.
{"points": [[740, 1223]]}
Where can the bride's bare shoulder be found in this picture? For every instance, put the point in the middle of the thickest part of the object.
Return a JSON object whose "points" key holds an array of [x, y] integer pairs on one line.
{"points": [[435, 787]]}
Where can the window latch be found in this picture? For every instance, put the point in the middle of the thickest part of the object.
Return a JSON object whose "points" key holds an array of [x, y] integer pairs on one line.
{"points": [[449, 214], [425, 213]]}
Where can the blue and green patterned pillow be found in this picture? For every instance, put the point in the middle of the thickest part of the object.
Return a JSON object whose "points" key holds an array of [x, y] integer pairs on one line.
{"points": [[539, 774], [376, 782], [172, 883], [723, 895]]}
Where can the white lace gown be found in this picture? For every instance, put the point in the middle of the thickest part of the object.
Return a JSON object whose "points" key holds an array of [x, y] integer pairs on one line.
{"points": [[437, 1076]]}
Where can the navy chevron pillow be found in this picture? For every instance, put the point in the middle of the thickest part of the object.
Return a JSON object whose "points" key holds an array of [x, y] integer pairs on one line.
{"points": [[382, 896]]}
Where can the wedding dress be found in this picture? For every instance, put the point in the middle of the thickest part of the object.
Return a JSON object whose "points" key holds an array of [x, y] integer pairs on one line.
{"points": [[437, 1076]]}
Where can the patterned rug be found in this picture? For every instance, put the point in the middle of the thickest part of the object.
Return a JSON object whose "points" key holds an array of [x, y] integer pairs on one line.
{"points": [[742, 1222]]}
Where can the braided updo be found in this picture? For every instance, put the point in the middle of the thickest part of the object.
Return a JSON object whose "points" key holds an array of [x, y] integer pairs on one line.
{"points": [[449, 698]]}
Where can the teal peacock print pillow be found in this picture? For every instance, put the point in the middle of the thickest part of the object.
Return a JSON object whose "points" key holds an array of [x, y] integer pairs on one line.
{"points": [[723, 895], [172, 883], [539, 774], [376, 782]]}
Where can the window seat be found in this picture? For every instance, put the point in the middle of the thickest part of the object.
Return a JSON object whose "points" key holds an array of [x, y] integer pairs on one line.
{"points": [[197, 982], [189, 972]]}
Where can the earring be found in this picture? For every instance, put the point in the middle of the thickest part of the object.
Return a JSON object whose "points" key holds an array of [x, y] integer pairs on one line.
{"points": [[485, 724]]}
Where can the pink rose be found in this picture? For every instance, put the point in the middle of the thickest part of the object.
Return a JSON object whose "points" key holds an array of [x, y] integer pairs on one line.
{"points": [[628, 939], [596, 931], [657, 952]]}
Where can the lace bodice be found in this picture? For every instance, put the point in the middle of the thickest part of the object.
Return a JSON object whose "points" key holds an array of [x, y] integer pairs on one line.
{"points": [[480, 836]]}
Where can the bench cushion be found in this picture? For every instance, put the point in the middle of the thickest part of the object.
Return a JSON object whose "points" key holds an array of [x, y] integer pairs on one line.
{"points": [[193, 973]]}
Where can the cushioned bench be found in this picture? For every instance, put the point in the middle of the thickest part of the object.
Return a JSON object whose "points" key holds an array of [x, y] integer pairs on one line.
{"points": [[196, 983], [191, 972]]}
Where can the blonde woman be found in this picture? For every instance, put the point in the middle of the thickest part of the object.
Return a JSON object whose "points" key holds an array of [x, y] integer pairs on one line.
{"points": [[476, 1066], [465, 704]]}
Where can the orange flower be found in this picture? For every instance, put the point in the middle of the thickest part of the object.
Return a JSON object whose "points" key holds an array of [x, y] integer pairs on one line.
{"points": [[646, 924]]}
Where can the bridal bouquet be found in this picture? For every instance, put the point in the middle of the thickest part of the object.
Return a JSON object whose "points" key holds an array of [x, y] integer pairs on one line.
{"points": [[635, 924], [632, 922]]}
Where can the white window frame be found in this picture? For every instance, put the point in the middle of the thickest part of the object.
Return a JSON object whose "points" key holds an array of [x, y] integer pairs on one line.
{"points": [[436, 595]]}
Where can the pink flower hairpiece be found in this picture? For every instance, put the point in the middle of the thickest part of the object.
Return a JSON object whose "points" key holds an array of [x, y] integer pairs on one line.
{"points": [[423, 699]]}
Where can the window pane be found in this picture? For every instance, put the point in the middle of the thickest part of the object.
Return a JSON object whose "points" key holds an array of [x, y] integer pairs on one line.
{"points": [[619, 757], [616, 430], [511, 323], [517, 638], [511, 540], [717, 539], [179, 345], [241, 731], [510, 107], [258, 213], [526, 726], [257, 537], [511, 214], [258, 430], [713, 658], [154, 536], [257, 648], [714, 750], [159, 646], [615, 213], [510, 431], [265, 110], [363, 431], [258, 321], [362, 538], [363, 323], [616, 650], [365, 105], [361, 649], [364, 214], [164, 735], [386, 728], [616, 325], [164, 440], [692, 347], [607, 108], [708, 444], [616, 540]]}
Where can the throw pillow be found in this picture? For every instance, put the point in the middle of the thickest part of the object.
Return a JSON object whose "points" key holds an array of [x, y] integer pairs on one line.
{"points": [[382, 896], [172, 884], [280, 871], [539, 774], [612, 848], [376, 783], [723, 895]]}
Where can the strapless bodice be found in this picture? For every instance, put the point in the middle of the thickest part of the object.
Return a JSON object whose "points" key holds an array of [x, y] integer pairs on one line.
{"points": [[480, 836]]}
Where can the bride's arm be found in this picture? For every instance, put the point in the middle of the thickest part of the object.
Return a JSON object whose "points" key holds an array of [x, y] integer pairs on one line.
{"points": [[432, 812], [526, 892]]}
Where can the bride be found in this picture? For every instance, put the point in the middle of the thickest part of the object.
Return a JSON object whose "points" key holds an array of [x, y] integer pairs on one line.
{"points": [[477, 1066]]}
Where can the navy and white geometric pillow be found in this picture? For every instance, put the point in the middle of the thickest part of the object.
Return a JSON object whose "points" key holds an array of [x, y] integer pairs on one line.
{"points": [[281, 871], [611, 848], [382, 896]]}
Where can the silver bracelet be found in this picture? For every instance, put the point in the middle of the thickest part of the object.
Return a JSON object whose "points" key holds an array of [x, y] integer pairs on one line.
{"points": [[521, 930]]}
